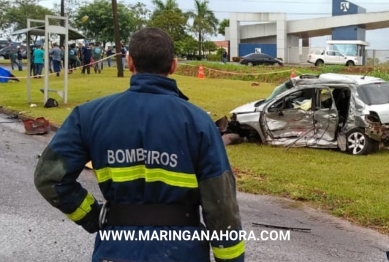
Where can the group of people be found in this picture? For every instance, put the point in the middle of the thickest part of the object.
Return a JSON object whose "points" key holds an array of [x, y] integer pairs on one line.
{"points": [[85, 56]]}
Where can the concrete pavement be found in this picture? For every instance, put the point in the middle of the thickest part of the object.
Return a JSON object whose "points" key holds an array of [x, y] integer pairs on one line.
{"points": [[31, 230]]}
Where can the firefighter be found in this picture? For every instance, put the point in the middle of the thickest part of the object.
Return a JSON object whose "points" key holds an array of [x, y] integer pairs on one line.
{"points": [[157, 159]]}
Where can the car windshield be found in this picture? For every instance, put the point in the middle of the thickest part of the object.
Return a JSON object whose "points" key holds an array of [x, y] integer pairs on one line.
{"points": [[278, 90], [374, 94]]}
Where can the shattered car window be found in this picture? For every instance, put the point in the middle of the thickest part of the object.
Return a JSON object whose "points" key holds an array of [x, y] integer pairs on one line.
{"points": [[278, 90], [374, 94]]}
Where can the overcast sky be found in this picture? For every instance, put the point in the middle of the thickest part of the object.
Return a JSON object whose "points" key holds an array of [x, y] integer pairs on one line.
{"points": [[295, 9]]}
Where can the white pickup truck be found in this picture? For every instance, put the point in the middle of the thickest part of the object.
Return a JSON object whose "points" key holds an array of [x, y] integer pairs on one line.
{"points": [[330, 57]]}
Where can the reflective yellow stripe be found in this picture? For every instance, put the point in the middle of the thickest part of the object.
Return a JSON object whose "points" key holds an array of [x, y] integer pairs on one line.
{"points": [[229, 252], [83, 209], [126, 174]]}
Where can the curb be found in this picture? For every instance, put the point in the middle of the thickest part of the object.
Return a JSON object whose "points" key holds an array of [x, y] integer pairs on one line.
{"points": [[9, 112]]}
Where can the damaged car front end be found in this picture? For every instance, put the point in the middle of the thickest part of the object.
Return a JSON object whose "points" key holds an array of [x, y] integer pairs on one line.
{"points": [[323, 111]]}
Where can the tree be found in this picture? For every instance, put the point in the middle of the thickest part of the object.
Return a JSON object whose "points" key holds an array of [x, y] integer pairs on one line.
{"points": [[97, 24], [173, 21], [70, 9], [4, 6], [161, 7], [16, 16], [210, 46], [204, 21], [222, 26], [187, 46]]}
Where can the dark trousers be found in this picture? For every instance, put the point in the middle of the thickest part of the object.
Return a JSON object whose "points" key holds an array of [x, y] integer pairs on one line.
{"points": [[57, 66], [86, 66], [38, 69], [13, 62]]}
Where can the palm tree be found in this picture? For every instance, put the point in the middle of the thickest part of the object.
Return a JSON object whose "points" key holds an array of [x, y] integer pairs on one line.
{"points": [[161, 6], [204, 21]]}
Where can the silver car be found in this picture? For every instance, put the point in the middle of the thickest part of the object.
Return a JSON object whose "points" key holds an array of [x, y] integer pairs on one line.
{"points": [[349, 112]]}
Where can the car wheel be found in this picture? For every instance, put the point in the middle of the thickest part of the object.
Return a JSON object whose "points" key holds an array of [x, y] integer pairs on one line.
{"points": [[250, 64], [319, 63], [358, 143], [350, 63], [2, 57]]}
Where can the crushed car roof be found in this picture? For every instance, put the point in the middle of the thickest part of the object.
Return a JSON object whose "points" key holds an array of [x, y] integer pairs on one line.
{"points": [[334, 79]]}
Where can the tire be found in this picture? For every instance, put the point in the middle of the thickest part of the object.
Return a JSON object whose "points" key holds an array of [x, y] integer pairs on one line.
{"points": [[319, 62], [350, 63], [357, 143]]}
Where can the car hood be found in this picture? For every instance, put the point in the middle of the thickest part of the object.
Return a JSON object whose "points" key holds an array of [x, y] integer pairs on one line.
{"points": [[249, 107], [382, 111]]}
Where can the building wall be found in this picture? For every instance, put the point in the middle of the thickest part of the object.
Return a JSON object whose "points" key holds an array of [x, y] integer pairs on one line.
{"points": [[271, 21], [269, 49], [260, 40], [340, 8]]}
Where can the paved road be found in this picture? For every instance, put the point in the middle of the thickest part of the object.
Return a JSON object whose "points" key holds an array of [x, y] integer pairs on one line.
{"points": [[31, 230]]}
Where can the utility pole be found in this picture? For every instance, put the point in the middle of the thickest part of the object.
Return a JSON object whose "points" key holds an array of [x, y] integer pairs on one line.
{"points": [[119, 64]]}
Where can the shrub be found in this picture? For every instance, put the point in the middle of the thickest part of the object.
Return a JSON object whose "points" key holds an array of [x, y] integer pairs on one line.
{"points": [[235, 59], [214, 57]]}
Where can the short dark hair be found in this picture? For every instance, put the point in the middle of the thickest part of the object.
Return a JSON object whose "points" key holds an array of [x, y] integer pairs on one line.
{"points": [[152, 51]]}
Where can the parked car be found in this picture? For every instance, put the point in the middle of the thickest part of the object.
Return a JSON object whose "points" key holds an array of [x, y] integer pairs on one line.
{"points": [[349, 112], [330, 57], [6, 51], [4, 43], [254, 59]]}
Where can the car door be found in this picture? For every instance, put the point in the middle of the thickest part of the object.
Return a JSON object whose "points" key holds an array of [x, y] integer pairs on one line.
{"points": [[331, 58], [290, 116], [325, 116]]}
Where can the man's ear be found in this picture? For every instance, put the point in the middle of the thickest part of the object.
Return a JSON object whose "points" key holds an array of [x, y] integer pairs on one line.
{"points": [[130, 64], [173, 66]]}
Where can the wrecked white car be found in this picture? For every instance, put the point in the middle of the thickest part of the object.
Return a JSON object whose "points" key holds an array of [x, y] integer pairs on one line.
{"points": [[348, 112]]}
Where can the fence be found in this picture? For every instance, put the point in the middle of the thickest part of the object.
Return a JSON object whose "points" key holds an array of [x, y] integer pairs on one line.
{"points": [[299, 55]]}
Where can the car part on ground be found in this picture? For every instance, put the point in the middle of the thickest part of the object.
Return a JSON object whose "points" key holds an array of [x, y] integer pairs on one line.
{"points": [[348, 112]]}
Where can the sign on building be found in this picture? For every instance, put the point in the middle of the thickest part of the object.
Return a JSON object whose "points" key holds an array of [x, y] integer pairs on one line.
{"points": [[257, 50], [344, 6]]}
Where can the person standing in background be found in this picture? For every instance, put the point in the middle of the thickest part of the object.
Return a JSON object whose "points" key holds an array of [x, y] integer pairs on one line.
{"points": [[124, 53], [38, 57], [19, 55], [109, 53], [55, 53]]}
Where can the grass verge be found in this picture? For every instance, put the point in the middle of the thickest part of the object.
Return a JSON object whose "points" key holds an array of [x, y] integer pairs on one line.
{"points": [[354, 188]]}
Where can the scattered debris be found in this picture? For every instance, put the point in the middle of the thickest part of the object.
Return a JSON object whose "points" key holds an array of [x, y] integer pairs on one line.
{"points": [[283, 227], [38, 126], [231, 139], [13, 117]]}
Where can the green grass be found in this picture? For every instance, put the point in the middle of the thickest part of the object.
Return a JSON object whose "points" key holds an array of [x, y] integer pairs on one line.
{"points": [[351, 187]]}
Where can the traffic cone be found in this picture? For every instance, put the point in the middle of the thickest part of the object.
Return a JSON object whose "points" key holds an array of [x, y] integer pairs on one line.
{"points": [[201, 72], [293, 74]]}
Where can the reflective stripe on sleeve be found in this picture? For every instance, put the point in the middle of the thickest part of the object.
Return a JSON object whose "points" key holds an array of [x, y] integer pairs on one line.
{"points": [[126, 174], [229, 252], [83, 209]]}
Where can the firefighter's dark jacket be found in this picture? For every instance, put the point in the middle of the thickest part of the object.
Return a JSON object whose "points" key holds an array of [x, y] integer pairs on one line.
{"points": [[147, 145]]}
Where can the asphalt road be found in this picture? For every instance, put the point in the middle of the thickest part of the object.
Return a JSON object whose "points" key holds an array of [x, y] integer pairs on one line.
{"points": [[31, 230]]}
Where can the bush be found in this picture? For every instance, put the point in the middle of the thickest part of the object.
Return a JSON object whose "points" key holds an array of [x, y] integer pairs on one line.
{"points": [[214, 57], [235, 59]]}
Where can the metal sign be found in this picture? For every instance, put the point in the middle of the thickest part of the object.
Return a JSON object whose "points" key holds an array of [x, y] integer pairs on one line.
{"points": [[344, 6], [257, 50]]}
